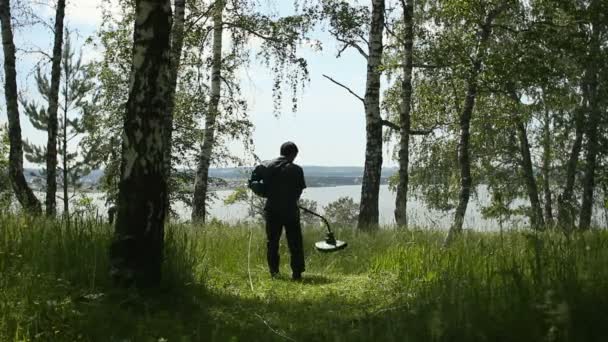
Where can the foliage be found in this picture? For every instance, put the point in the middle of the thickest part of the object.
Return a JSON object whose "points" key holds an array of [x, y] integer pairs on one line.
{"points": [[528, 75], [343, 211], [307, 219], [74, 108], [389, 286]]}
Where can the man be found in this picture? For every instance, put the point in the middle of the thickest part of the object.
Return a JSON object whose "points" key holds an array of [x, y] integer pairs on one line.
{"points": [[285, 185]]}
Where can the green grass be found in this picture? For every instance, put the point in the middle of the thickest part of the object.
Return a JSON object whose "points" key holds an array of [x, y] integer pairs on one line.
{"points": [[386, 286]]}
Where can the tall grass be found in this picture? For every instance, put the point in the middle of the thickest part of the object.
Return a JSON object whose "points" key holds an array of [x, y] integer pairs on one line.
{"points": [[391, 285]]}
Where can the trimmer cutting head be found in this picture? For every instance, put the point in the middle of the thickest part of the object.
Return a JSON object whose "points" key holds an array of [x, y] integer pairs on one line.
{"points": [[330, 244]]}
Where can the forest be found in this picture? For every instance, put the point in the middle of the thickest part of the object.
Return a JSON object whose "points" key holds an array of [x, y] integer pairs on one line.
{"points": [[505, 95]]}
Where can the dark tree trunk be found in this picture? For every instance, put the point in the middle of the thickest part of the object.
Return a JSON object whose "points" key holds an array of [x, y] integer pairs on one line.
{"points": [[595, 114], [177, 43], [536, 215], [370, 189], [23, 192], [546, 169], [463, 154], [66, 198], [565, 208], [51, 146], [137, 249], [201, 185], [405, 113], [464, 161]]}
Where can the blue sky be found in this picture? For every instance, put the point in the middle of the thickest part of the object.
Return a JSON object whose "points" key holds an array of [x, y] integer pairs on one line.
{"points": [[329, 127]]}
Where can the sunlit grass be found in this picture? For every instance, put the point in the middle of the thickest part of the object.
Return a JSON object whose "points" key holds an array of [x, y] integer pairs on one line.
{"points": [[386, 286]]}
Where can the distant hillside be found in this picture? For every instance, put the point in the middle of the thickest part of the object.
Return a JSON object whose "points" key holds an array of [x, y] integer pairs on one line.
{"points": [[309, 171], [316, 176]]}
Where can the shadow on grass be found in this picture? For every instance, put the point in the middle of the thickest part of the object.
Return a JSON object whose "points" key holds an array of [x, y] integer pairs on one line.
{"points": [[197, 315]]}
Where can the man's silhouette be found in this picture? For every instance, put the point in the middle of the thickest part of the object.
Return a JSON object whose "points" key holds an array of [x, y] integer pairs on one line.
{"points": [[285, 185]]}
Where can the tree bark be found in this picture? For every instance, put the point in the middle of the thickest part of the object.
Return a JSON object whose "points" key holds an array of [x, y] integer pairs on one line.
{"points": [[536, 215], [370, 189], [464, 161], [177, 43], [51, 146], [23, 192], [546, 169], [201, 184], [66, 199], [137, 249], [405, 113], [591, 130], [565, 208]]}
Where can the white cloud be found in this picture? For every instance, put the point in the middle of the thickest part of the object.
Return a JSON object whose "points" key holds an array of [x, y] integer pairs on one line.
{"points": [[88, 12]]}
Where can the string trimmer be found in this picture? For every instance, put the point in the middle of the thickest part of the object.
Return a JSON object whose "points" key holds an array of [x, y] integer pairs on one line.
{"points": [[330, 244]]}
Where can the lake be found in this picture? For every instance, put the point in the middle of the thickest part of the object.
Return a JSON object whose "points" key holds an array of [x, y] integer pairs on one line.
{"points": [[419, 214]]}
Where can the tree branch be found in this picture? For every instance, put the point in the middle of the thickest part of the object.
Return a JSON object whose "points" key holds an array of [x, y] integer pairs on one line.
{"points": [[352, 44], [345, 87], [253, 32], [391, 125], [192, 22], [428, 66], [396, 127]]}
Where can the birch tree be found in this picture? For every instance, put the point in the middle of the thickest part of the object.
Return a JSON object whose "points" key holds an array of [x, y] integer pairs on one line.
{"points": [[477, 57], [52, 125], [137, 248], [361, 29], [202, 173], [23, 192]]}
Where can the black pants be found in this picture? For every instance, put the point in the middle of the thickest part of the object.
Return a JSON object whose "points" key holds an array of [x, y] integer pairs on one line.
{"points": [[274, 228]]}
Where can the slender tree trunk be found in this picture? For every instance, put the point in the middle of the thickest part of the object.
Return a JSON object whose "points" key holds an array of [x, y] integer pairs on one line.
{"points": [[536, 216], [463, 154], [23, 192], [370, 189], [51, 146], [546, 169], [137, 248], [591, 131], [405, 113], [177, 43], [66, 199], [565, 205], [201, 184], [464, 161]]}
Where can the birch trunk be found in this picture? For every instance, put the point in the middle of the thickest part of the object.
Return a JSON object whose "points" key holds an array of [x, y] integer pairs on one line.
{"points": [[370, 189], [51, 146], [177, 43], [565, 208], [546, 169], [464, 161], [137, 248], [536, 216], [66, 199], [23, 192], [595, 114], [405, 113], [201, 185]]}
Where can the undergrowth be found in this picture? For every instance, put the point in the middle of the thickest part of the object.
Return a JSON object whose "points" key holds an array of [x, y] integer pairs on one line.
{"points": [[390, 285]]}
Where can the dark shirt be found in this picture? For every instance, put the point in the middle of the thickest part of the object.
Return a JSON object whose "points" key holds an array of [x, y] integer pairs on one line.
{"points": [[284, 187]]}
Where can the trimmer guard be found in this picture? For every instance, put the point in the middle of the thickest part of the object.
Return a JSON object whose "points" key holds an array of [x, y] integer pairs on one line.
{"points": [[323, 246]]}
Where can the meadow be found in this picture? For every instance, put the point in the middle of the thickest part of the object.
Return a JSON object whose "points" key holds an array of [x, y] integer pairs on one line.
{"points": [[390, 285]]}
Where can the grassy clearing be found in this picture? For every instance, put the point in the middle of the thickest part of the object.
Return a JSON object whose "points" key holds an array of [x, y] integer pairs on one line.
{"points": [[387, 286]]}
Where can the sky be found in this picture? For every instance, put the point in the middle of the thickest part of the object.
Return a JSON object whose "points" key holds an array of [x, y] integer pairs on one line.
{"points": [[329, 126]]}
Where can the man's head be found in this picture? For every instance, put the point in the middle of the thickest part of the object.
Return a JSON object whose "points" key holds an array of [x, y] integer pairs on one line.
{"points": [[289, 150]]}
